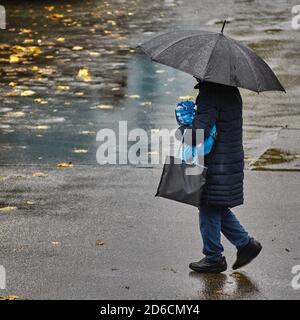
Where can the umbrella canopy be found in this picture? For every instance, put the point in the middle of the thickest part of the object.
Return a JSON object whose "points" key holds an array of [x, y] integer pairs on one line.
{"points": [[212, 57]]}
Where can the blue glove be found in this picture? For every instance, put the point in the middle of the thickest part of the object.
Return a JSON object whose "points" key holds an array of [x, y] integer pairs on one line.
{"points": [[189, 153], [185, 112], [209, 142]]}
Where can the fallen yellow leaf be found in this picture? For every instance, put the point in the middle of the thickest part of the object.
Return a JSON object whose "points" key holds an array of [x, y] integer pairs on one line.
{"points": [[35, 68], [87, 132], [39, 174], [100, 242], [30, 202], [16, 114], [35, 50], [7, 209], [123, 46], [219, 291], [186, 98], [80, 150], [77, 48], [60, 39], [24, 30], [56, 16], [94, 54], [104, 106], [11, 297], [84, 74], [41, 127], [28, 41], [12, 84], [4, 46], [46, 71], [79, 93], [112, 22], [146, 103], [12, 93], [49, 8], [27, 93], [64, 165], [13, 58], [134, 96], [63, 88], [40, 101], [21, 51]]}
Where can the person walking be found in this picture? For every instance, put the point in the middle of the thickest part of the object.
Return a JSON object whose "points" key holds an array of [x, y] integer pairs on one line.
{"points": [[221, 105], [221, 65]]}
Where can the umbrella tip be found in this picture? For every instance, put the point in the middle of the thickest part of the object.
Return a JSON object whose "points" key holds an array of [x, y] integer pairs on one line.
{"points": [[223, 26]]}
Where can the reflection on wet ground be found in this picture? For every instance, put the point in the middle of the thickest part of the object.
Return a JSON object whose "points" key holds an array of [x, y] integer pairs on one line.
{"points": [[273, 156], [70, 68], [237, 285]]}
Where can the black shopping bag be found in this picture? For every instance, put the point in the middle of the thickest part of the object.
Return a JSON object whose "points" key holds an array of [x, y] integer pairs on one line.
{"points": [[181, 181]]}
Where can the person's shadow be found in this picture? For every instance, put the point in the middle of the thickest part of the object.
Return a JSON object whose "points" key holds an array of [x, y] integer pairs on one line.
{"points": [[238, 285]]}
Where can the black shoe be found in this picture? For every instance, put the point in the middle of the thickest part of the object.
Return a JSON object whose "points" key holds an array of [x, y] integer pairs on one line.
{"points": [[246, 254], [207, 266]]}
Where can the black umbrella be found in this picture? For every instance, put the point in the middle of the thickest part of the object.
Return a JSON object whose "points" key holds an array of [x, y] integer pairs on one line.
{"points": [[212, 57]]}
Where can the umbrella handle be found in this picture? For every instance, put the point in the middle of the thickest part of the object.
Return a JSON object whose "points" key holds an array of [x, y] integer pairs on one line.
{"points": [[223, 26]]}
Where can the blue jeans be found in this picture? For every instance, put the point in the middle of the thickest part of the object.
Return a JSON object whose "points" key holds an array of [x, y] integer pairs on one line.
{"points": [[214, 220]]}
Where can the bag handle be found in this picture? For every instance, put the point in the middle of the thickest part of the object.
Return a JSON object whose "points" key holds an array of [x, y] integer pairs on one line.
{"points": [[194, 152]]}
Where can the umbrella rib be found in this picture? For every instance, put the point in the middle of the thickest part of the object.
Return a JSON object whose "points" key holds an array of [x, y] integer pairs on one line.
{"points": [[212, 51], [230, 56], [249, 64]]}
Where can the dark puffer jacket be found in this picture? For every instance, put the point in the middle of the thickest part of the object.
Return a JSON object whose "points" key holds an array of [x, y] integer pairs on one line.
{"points": [[222, 105]]}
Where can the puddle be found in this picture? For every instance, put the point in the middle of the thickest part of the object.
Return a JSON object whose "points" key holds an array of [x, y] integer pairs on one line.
{"points": [[221, 286]]}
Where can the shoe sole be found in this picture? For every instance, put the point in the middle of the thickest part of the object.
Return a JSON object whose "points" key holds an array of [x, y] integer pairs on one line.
{"points": [[250, 259], [213, 270]]}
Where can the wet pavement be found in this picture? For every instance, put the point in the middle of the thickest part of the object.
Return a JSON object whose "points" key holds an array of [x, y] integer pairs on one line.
{"points": [[49, 245], [70, 69]]}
